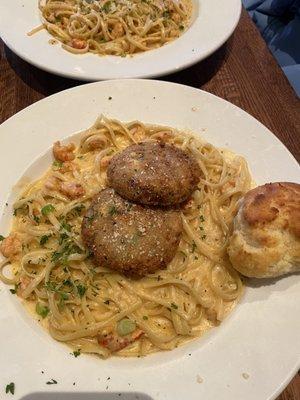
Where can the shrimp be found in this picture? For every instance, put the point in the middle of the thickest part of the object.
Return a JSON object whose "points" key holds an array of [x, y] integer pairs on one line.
{"points": [[68, 166], [64, 153], [114, 342], [105, 161], [78, 44], [51, 183], [11, 246], [176, 17], [117, 31], [71, 189]]}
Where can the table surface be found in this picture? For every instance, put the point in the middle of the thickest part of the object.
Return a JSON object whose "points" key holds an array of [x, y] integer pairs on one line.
{"points": [[242, 71]]}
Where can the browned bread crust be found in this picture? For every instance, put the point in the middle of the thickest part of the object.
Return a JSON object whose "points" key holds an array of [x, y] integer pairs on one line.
{"points": [[266, 237]]}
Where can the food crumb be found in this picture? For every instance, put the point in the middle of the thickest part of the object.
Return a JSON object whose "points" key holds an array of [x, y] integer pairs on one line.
{"points": [[194, 109], [245, 375], [52, 41], [199, 379]]}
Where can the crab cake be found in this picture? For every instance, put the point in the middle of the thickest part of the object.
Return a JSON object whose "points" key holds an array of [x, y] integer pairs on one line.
{"points": [[266, 236], [154, 174], [128, 237]]}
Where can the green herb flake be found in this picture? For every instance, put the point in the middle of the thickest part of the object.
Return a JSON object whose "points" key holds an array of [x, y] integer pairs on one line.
{"points": [[13, 291], [78, 209], [67, 282], [106, 7], [166, 14], [81, 289], [44, 239], [10, 388], [51, 382], [57, 164], [203, 237], [66, 226], [76, 353], [1, 238], [47, 209], [106, 302], [202, 219], [194, 247], [112, 210], [175, 306], [145, 317], [41, 310], [183, 253], [181, 27], [36, 219]]}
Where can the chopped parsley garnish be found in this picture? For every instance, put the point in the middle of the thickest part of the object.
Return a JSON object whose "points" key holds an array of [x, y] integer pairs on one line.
{"points": [[44, 239], [67, 282], [175, 306], [56, 288], [10, 388], [79, 208], [66, 226], [166, 14], [57, 164], [62, 238], [181, 27], [47, 209], [106, 302], [36, 219], [194, 247], [145, 317], [62, 256], [41, 310], [106, 7], [183, 253], [112, 210], [1, 238], [51, 382], [203, 237], [13, 291], [202, 219], [76, 353], [81, 289]]}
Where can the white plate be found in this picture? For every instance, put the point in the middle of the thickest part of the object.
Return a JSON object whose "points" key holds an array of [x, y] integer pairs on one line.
{"points": [[213, 23], [261, 337]]}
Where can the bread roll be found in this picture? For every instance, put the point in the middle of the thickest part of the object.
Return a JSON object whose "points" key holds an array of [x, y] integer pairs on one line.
{"points": [[266, 235]]}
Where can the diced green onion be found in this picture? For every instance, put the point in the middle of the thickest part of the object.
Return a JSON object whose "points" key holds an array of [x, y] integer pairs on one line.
{"points": [[41, 310], [125, 327]]}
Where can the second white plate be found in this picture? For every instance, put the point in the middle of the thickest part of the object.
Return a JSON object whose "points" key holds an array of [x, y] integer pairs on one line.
{"points": [[214, 22]]}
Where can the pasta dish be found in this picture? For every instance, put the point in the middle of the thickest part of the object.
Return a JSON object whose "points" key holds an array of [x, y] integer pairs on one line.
{"points": [[93, 308], [114, 27]]}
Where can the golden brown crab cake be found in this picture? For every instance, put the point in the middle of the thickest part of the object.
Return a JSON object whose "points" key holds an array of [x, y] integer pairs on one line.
{"points": [[128, 237], [154, 174]]}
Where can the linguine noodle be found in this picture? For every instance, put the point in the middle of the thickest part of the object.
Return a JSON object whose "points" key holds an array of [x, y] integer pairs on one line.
{"points": [[115, 27], [79, 302]]}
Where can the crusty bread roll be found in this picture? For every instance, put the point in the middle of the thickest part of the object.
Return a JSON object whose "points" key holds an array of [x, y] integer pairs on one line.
{"points": [[266, 236]]}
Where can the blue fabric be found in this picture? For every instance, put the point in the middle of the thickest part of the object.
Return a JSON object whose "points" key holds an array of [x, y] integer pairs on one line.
{"points": [[279, 24]]}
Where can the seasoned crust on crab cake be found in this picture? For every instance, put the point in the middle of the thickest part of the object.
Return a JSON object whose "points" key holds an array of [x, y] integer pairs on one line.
{"points": [[266, 237], [128, 237], [154, 173]]}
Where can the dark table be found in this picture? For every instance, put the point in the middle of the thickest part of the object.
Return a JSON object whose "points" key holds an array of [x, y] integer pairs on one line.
{"points": [[242, 71]]}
